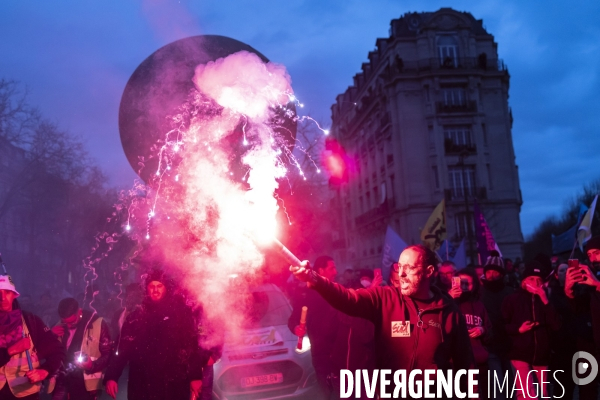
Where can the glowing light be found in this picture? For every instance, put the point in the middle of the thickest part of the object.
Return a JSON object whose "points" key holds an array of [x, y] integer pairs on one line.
{"points": [[151, 214], [79, 359], [326, 131], [128, 227], [147, 236], [176, 148], [245, 142]]}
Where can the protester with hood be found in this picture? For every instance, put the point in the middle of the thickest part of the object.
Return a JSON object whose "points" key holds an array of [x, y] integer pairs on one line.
{"points": [[24, 337], [493, 293], [582, 287], [86, 336], [159, 341], [321, 325], [478, 323], [416, 327], [530, 318]]}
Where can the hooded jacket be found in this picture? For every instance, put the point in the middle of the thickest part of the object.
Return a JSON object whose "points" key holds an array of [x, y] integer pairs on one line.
{"points": [[160, 343], [532, 346], [476, 316], [408, 335]]}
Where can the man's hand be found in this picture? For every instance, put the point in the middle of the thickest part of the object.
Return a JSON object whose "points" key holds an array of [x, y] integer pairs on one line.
{"points": [[574, 275], [58, 330], [111, 388], [476, 332], [36, 375], [527, 326], [539, 291], [19, 347], [455, 292], [196, 388], [86, 365], [302, 272], [376, 281], [300, 330], [588, 278]]}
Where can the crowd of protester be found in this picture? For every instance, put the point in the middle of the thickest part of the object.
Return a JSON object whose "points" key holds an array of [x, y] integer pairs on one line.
{"points": [[513, 319], [521, 319]]}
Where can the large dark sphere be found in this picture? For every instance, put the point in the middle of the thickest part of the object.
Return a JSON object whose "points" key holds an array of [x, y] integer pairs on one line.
{"points": [[160, 85]]}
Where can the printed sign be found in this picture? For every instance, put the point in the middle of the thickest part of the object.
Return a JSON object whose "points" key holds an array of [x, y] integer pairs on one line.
{"points": [[400, 328]]}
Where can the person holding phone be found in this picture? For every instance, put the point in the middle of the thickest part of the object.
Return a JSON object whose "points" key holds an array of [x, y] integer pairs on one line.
{"points": [[582, 287], [529, 319]]}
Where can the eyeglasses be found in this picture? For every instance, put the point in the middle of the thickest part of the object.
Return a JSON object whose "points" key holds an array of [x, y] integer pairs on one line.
{"points": [[406, 267]]}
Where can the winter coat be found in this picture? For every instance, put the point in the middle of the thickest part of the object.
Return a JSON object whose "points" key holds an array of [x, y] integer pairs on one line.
{"points": [[476, 316], [46, 344], [492, 297], [321, 327], [532, 346], [408, 335], [354, 346], [160, 343]]}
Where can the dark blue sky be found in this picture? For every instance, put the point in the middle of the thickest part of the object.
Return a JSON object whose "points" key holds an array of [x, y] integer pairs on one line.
{"points": [[76, 56]]}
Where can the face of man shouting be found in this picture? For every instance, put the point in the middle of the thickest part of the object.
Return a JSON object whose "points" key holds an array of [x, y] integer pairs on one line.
{"points": [[415, 268]]}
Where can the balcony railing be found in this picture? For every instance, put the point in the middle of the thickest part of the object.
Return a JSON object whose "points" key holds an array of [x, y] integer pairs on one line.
{"points": [[456, 194], [457, 63], [452, 148], [464, 107], [372, 215]]}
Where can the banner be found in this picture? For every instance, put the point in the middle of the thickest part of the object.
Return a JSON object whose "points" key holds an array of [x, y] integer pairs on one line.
{"points": [[566, 240], [483, 234], [584, 233], [458, 255], [392, 247], [434, 232]]}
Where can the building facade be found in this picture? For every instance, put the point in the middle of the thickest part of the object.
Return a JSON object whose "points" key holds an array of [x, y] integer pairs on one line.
{"points": [[427, 119]]}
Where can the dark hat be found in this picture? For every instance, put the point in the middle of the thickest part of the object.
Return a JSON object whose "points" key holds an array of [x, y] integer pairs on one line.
{"points": [[593, 244], [494, 262], [157, 275], [533, 268]]}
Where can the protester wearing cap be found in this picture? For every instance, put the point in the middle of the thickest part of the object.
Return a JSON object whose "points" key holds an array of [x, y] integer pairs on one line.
{"points": [[159, 341], [22, 332], [529, 319]]}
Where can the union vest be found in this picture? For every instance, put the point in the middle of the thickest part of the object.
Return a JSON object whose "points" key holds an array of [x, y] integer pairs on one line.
{"points": [[91, 347], [15, 369]]}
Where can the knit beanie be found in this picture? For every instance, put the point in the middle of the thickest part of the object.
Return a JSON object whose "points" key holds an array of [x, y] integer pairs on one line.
{"points": [[494, 262]]}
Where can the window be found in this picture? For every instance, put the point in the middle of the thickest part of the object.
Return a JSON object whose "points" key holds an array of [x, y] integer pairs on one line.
{"points": [[489, 173], [368, 200], [448, 51], [392, 194], [431, 136], [464, 223], [362, 204], [458, 135], [462, 180], [427, 96], [485, 138], [436, 178], [454, 96]]}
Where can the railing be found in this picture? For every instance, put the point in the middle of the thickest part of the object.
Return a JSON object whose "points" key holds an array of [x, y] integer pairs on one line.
{"points": [[467, 106], [457, 63], [452, 148], [378, 212], [455, 194]]}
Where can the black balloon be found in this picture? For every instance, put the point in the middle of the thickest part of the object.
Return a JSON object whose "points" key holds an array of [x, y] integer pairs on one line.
{"points": [[161, 84]]}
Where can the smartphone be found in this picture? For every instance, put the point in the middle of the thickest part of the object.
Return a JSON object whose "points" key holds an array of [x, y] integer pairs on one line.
{"points": [[573, 263], [456, 281], [377, 272]]}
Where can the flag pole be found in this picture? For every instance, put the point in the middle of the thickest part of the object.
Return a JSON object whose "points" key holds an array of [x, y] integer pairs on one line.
{"points": [[447, 244]]}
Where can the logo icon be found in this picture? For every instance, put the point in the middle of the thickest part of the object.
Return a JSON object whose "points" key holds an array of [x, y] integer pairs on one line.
{"points": [[400, 328], [582, 364]]}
